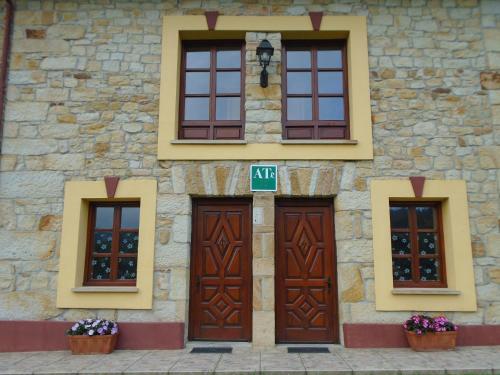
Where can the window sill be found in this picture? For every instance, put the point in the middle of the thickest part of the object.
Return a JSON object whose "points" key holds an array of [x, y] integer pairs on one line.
{"points": [[208, 142], [106, 289], [426, 291], [319, 142]]}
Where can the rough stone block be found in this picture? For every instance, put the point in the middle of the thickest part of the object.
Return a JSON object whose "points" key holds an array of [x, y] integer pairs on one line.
{"points": [[351, 200], [263, 329], [64, 162], [31, 184], [59, 63], [27, 245], [29, 146], [26, 111], [66, 32]]}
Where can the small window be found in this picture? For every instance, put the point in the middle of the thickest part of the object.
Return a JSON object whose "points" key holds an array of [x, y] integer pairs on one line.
{"points": [[315, 100], [211, 105], [112, 243], [417, 245]]}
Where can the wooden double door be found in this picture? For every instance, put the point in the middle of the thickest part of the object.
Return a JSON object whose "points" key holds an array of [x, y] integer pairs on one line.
{"points": [[221, 270], [306, 282]]}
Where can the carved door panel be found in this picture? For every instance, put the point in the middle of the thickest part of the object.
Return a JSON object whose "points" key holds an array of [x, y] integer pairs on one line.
{"points": [[221, 279], [306, 285]]}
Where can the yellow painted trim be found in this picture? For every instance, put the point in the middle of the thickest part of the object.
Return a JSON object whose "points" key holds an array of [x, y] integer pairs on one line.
{"points": [[459, 266], [77, 196], [176, 28]]}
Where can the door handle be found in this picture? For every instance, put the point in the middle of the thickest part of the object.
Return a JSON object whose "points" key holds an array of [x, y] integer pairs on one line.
{"points": [[198, 282], [329, 283]]}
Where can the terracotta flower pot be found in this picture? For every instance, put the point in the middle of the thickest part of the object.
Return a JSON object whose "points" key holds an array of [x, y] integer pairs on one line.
{"points": [[83, 344], [432, 341]]}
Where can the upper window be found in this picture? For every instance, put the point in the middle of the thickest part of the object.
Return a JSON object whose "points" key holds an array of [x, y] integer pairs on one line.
{"points": [[315, 100], [417, 245], [112, 244], [211, 91]]}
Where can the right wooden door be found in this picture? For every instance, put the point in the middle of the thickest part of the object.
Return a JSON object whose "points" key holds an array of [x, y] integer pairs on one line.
{"points": [[306, 280]]}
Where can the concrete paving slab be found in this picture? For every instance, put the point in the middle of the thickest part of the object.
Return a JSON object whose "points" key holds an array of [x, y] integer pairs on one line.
{"points": [[193, 364], [115, 364], [367, 362], [30, 361], [322, 364], [155, 362], [67, 364], [239, 364], [277, 364], [413, 363], [470, 361]]}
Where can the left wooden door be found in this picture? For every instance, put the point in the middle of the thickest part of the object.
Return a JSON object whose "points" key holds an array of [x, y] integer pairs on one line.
{"points": [[221, 270]]}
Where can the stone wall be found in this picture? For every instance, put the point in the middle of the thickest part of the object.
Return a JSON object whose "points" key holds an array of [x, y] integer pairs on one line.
{"points": [[83, 103]]}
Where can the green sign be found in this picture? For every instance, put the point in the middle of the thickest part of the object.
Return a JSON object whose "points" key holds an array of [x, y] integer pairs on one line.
{"points": [[263, 178]]}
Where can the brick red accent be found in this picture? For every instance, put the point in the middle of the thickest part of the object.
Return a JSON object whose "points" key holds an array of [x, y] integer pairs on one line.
{"points": [[417, 183], [111, 185], [211, 17], [360, 335], [27, 336], [316, 18]]}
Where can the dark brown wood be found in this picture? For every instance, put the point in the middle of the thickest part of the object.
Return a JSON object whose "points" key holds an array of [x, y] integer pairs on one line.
{"points": [[220, 305], [111, 185], [211, 17], [415, 256], [315, 128], [212, 128], [417, 183], [306, 272], [316, 18], [115, 253], [4, 63]]}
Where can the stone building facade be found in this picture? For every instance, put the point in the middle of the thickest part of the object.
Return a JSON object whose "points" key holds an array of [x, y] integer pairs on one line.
{"points": [[83, 102]]}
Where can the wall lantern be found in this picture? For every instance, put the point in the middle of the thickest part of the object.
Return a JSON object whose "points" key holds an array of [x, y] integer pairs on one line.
{"points": [[265, 50]]}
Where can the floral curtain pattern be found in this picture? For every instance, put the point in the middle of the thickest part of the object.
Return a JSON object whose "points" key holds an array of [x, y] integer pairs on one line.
{"points": [[101, 268], [415, 244], [114, 243]]}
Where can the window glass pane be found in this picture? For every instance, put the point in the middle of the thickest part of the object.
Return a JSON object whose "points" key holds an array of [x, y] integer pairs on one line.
{"points": [[101, 268], [399, 217], [427, 243], [130, 217], [127, 268], [401, 269], [197, 83], [429, 269], [228, 59], [228, 82], [104, 217], [400, 243], [425, 217], [329, 59], [228, 108], [330, 83], [129, 242], [198, 60], [196, 109], [298, 83], [331, 109], [298, 59], [299, 108], [102, 242]]}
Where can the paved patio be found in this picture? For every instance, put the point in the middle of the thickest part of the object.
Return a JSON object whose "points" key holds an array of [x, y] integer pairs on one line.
{"points": [[470, 360]]}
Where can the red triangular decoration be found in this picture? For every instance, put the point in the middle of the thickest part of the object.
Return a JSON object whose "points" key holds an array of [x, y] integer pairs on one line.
{"points": [[211, 17], [111, 185], [316, 18], [417, 183]]}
